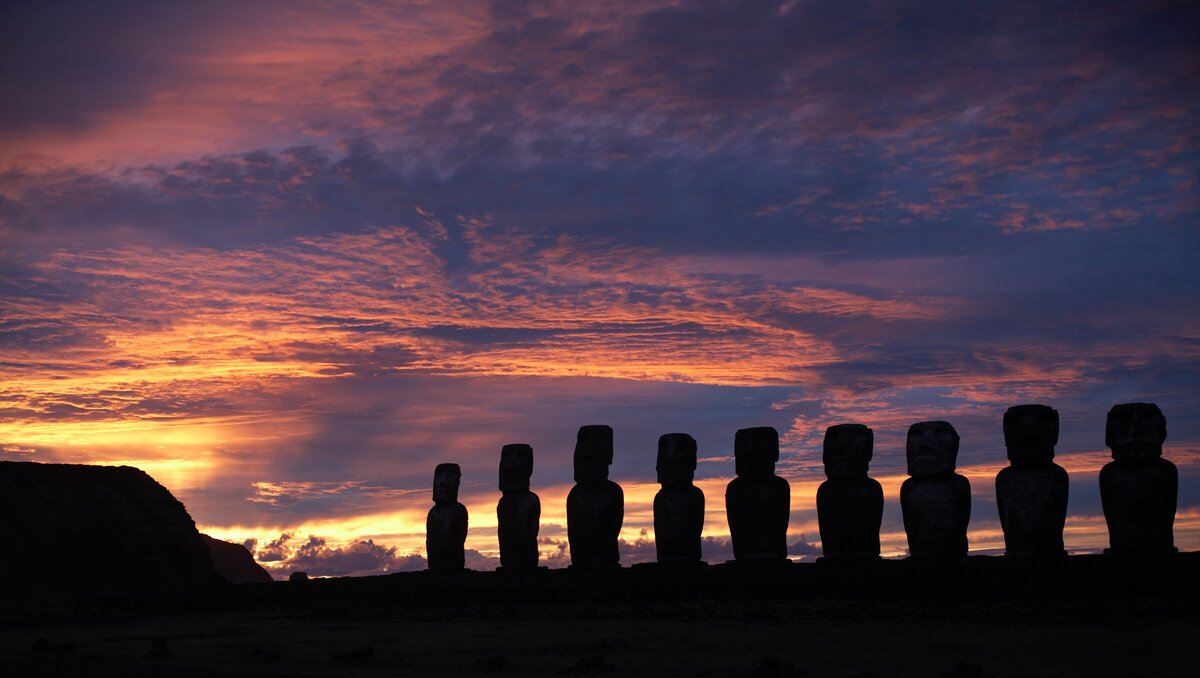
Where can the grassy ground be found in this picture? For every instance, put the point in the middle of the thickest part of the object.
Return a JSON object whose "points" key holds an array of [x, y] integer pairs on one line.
{"points": [[1082, 616], [823, 638]]}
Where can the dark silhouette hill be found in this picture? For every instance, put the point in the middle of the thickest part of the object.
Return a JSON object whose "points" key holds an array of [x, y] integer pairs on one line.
{"points": [[233, 562], [71, 530]]}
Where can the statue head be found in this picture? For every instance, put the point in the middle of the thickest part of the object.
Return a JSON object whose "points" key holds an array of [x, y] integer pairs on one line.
{"points": [[1135, 431], [755, 451], [516, 465], [847, 451], [593, 453], [445, 483], [1030, 433], [932, 447], [676, 459]]}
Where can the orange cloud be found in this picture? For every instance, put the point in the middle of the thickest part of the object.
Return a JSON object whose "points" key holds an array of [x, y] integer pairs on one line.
{"points": [[201, 365]]}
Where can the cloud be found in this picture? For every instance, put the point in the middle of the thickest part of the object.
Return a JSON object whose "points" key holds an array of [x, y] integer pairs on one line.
{"points": [[313, 555], [273, 552], [64, 72], [285, 494], [325, 376], [317, 557], [640, 550], [288, 258], [479, 561], [768, 126], [361, 557], [716, 550], [802, 548]]}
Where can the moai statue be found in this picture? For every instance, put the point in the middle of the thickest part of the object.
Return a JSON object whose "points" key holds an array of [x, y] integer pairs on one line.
{"points": [[757, 502], [849, 504], [446, 526], [519, 510], [1032, 493], [596, 505], [679, 505], [1138, 488], [935, 501]]}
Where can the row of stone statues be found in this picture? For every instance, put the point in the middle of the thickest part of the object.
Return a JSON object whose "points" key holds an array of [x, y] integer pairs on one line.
{"points": [[1138, 491]]}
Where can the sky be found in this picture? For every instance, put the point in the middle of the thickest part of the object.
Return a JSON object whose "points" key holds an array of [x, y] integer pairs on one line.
{"points": [[288, 256]]}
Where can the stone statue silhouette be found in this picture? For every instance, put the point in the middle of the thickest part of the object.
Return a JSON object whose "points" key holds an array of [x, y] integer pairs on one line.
{"points": [[679, 505], [757, 502], [519, 510], [1138, 488], [935, 501], [849, 504], [1031, 493], [446, 525], [596, 505]]}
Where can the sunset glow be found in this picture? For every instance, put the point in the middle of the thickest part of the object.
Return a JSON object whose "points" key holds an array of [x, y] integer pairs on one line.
{"points": [[287, 257]]}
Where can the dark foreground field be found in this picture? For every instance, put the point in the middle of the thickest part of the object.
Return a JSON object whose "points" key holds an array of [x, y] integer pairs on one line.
{"points": [[1083, 616]]}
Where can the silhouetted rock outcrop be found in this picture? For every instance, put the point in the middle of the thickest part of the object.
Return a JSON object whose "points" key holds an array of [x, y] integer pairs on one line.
{"points": [[116, 524], [446, 525], [519, 510], [849, 504], [596, 505], [757, 502], [1138, 488], [233, 562], [679, 505], [935, 501], [1031, 493]]}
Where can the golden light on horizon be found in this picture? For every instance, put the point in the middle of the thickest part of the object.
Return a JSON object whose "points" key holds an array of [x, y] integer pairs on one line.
{"points": [[175, 473], [404, 529], [226, 371]]}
